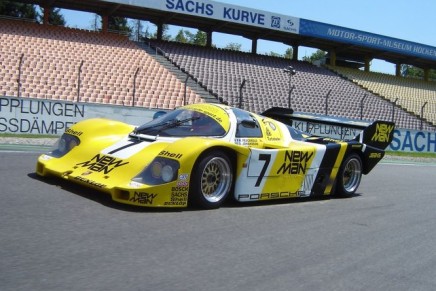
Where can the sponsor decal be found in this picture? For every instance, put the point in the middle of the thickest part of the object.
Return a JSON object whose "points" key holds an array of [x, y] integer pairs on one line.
{"points": [[289, 25], [90, 182], [170, 155], [179, 196], [73, 132], [143, 198], [272, 195], [102, 163], [244, 16], [295, 162], [375, 155], [275, 21], [247, 141], [413, 141], [382, 132], [182, 184], [178, 188], [190, 6]]}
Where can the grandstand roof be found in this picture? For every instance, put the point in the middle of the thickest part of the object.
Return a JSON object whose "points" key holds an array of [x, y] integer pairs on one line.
{"points": [[394, 50]]}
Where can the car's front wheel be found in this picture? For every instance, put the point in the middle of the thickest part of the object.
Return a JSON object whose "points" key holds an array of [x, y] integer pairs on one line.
{"points": [[211, 180], [349, 176]]}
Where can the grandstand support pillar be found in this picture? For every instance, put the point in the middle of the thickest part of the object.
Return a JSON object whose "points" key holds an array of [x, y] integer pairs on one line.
{"points": [[295, 52], [46, 16], [333, 57], [159, 31], [209, 38], [426, 74], [367, 63], [398, 69], [104, 23], [254, 46]]}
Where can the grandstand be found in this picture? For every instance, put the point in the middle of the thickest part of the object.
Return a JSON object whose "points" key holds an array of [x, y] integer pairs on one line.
{"points": [[412, 94], [77, 65], [317, 90], [53, 58]]}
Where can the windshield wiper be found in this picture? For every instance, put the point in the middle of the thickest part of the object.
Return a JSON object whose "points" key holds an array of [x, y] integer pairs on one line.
{"points": [[177, 123], [164, 125]]}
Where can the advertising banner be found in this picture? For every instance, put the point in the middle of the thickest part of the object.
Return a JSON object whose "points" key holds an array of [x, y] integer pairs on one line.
{"points": [[361, 38], [221, 11], [51, 117]]}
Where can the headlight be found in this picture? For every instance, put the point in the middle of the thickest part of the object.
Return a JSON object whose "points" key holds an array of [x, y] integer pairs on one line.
{"points": [[65, 144], [159, 171], [167, 173]]}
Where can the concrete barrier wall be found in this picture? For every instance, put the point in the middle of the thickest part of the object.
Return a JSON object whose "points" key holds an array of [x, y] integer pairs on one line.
{"points": [[40, 116]]}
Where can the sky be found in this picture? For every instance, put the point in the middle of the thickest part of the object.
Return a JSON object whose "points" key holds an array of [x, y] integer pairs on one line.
{"points": [[403, 19]]}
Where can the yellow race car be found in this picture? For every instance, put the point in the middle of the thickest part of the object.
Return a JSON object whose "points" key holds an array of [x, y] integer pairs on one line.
{"points": [[201, 154]]}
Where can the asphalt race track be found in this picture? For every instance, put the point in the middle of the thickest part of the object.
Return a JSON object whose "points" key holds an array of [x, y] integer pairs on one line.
{"points": [[60, 237]]}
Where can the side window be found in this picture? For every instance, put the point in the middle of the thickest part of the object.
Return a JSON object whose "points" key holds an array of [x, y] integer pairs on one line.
{"points": [[247, 125]]}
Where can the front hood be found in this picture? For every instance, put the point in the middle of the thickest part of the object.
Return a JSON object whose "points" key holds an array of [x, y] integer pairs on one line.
{"points": [[112, 166]]}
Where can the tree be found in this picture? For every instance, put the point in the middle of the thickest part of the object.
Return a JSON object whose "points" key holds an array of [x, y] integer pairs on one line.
{"points": [[289, 53], [200, 38], [316, 56], [233, 46], [56, 18], [94, 22], [274, 54], [180, 37], [20, 10], [411, 72], [137, 30], [119, 24], [185, 36]]}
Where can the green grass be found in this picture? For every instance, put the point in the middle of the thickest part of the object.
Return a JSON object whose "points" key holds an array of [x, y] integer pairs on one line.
{"points": [[411, 154]]}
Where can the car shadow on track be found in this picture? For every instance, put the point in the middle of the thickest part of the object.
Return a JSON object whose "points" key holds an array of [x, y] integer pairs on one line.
{"points": [[96, 196], [106, 200], [232, 203]]}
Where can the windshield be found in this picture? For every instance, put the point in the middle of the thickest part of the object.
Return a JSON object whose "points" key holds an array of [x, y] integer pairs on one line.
{"points": [[182, 122]]}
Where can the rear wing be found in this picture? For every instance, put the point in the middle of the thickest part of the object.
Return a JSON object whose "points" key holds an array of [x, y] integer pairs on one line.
{"points": [[378, 134]]}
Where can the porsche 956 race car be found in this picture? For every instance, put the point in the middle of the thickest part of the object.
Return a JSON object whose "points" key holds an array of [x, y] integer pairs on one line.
{"points": [[201, 154]]}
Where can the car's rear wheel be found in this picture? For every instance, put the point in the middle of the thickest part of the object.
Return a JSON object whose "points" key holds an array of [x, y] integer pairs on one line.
{"points": [[211, 180], [349, 176]]}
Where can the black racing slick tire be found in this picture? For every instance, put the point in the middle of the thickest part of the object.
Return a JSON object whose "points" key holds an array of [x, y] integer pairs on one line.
{"points": [[211, 180], [349, 176]]}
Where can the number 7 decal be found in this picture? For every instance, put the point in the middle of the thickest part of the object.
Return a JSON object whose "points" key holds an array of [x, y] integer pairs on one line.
{"points": [[267, 159]]}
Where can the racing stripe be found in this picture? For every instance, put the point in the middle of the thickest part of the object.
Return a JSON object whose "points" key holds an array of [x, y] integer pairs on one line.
{"points": [[134, 142], [125, 148], [334, 172], [308, 184]]}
